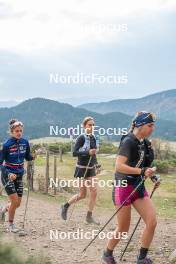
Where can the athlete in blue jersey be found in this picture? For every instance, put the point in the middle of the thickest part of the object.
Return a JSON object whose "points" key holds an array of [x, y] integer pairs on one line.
{"points": [[13, 153]]}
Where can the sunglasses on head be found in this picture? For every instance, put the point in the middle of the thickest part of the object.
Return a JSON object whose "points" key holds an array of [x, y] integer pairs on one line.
{"points": [[16, 124]]}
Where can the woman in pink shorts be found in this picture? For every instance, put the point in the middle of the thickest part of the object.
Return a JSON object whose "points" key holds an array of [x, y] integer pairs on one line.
{"points": [[134, 160], [120, 194]]}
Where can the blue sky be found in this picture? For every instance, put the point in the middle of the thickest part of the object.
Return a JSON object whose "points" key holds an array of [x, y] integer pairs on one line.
{"points": [[39, 38]]}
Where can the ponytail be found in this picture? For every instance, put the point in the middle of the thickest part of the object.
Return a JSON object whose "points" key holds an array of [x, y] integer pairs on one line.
{"points": [[132, 127]]}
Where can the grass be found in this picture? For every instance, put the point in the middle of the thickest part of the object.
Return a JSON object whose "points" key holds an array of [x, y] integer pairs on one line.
{"points": [[164, 198], [11, 255]]}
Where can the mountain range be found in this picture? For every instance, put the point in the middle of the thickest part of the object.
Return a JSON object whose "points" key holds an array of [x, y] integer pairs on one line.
{"points": [[163, 104], [38, 114]]}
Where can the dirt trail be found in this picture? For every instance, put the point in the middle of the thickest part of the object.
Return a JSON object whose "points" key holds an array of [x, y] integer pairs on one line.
{"points": [[43, 216]]}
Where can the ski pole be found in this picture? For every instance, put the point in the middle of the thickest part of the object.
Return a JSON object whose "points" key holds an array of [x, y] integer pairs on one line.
{"points": [[154, 188], [27, 199], [132, 193]]}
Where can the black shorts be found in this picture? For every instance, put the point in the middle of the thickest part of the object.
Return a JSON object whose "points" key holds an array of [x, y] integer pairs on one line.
{"points": [[81, 172], [12, 187]]}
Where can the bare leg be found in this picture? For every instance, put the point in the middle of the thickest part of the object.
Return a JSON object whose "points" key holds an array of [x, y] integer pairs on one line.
{"points": [[6, 207], [15, 203], [146, 209], [93, 193], [123, 224], [82, 193]]}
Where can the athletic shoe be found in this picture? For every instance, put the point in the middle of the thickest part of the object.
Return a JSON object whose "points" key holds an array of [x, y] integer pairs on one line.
{"points": [[64, 211], [144, 261], [108, 260], [12, 229], [91, 220]]}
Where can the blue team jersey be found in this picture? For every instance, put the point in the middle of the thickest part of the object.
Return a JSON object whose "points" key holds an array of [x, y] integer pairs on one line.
{"points": [[13, 153]]}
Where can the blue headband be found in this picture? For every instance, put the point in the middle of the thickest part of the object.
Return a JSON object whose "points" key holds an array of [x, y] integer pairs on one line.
{"points": [[144, 119]]}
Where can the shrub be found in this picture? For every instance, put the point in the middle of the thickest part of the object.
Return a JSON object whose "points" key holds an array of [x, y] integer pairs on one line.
{"points": [[162, 165], [55, 148], [107, 148], [10, 255]]}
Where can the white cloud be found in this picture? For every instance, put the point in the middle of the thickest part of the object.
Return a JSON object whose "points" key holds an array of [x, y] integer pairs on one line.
{"points": [[52, 25]]}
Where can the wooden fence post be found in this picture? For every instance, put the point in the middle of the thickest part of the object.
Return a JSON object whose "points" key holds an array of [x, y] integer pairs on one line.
{"points": [[60, 154], [47, 172], [30, 174], [55, 173]]}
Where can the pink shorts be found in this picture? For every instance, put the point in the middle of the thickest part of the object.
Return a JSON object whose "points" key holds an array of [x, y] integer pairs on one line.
{"points": [[120, 194]]}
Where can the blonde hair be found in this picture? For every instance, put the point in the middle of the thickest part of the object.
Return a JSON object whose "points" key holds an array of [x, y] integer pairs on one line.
{"points": [[86, 120]]}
